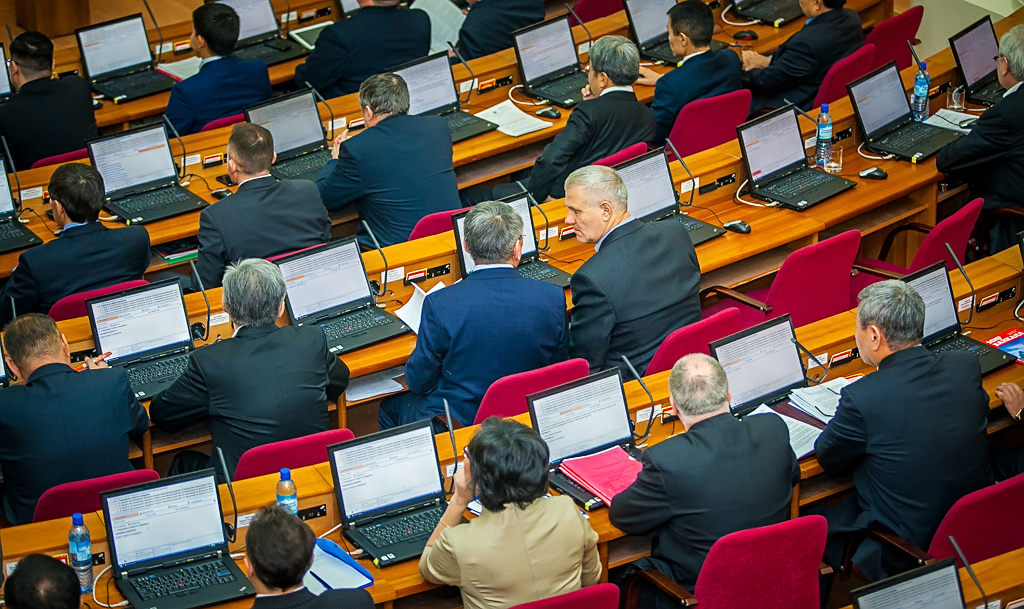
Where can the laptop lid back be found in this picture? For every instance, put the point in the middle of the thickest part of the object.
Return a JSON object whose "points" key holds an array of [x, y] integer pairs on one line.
{"points": [[6, 195], [115, 47], [940, 318], [519, 202], [935, 586], [546, 50], [325, 282], [651, 193], [5, 76], [256, 20], [975, 49], [141, 322], [431, 84], [648, 19], [879, 101], [133, 161], [294, 122], [772, 146]]}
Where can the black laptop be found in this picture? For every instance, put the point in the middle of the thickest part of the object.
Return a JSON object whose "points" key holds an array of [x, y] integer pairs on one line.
{"points": [[118, 60], [5, 77], [551, 70], [139, 176], [13, 236], [299, 136], [167, 544], [647, 21], [886, 120], [327, 286], [934, 586], [432, 91], [259, 35], [653, 196], [146, 331], [530, 265], [975, 49], [769, 12], [775, 160], [390, 491]]}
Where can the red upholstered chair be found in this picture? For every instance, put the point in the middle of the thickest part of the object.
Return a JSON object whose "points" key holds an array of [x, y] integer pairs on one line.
{"points": [[506, 397], [73, 306], [60, 159], [847, 69], [601, 596], [234, 119], [433, 224], [694, 338], [972, 522], [709, 122], [84, 496], [588, 10], [890, 38], [294, 453], [305, 249], [623, 155], [813, 283]]}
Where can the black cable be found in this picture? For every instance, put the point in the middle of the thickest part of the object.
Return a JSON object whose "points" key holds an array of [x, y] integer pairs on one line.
{"points": [[707, 209], [565, 261], [196, 175], [45, 223]]}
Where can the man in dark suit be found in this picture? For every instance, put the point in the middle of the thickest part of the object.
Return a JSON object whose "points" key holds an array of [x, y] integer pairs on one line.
{"points": [[60, 426], [86, 255], [640, 285], [493, 324], [489, 25], [397, 170], [702, 73], [265, 217], [797, 68], [225, 85], [46, 117], [279, 551], [723, 475], [912, 434], [991, 157], [264, 385], [380, 36]]}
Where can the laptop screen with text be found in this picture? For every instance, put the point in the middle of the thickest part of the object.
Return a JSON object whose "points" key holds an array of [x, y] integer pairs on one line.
{"points": [[292, 120], [935, 586], [325, 278], [520, 203], [134, 158], [6, 198], [431, 85], [648, 184], [760, 362], [5, 76], [880, 100], [546, 49], [114, 46], [772, 144], [649, 18], [255, 17], [940, 311], [141, 321], [976, 50]]}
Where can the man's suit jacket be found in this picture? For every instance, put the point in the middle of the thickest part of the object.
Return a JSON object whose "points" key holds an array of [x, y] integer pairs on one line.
{"points": [[597, 128], [913, 436], [265, 385], [395, 173], [706, 75], [489, 25], [223, 87], [83, 258], [373, 41], [620, 311], [47, 117], [723, 475], [263, 218], [304, 599], [800, 64], [64, 426], [492, 324]]}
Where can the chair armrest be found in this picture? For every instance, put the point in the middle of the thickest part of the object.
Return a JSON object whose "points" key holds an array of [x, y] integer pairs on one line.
{"points": [[660, 581], [874, 270], [824, 569], [897, 542], [883, 254], [990, 217], [738, 296]]}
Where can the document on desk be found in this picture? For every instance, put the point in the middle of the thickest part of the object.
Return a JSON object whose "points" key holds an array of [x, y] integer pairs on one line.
{"points": [[801, 435], [445, 22], [180, 70], [374, 385], [333, 569], [512, 121], [411, 312], [819, 401], [948, 119]]}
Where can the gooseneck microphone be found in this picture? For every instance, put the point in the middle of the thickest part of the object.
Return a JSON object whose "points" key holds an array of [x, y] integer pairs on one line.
{"points": [[383, 285], [180, 143], [637, 376], [159, 49], [200, 332], [230, 529], [590, 39], [970, 315], [323, 101], [967, 566], [472, 77]]}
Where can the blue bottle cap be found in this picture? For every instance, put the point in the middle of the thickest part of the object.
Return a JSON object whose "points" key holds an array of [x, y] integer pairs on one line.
{"points": [[76, 520], [824, 108], [923, 65], [286, 474]]}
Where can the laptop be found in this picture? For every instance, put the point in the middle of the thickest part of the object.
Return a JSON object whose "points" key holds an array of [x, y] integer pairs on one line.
{"points": [[975, 49], [886, 120], [774, 157], [146, 331], [530, 265], [769, 12], [13, 236], [580, 418], [390, 491], [118, 61], [299, 136], [327, 286], [647, 22], [167, 544], [762, 364], [259, 33], [546, 55], [934, 586], [5, 77], [653, 197], [942, 330], [432, 91]]}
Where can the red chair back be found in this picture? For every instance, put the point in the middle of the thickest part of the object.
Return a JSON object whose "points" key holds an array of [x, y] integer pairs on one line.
{"points": [[954, 230], [73, 306], [84, 496], [234, 119], [60, 159], [506, 397], [773, 567], [814, 281], [623, 155], [709, 122], [279, 256], [601, 596], [694, 338], [972, 522], [294, 453], [588, 10], [847, 69], [890, 38], [433, 224]]}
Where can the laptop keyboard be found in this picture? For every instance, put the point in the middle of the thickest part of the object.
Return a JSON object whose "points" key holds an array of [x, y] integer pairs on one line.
{"points": [[171, 367], [154, 200], [458, 120], [262, 51], [960, 344], [314, 161], [770, 11], [412, 526], [536, 271], [9, 231], [565, 87], [906, 136], [136, 83], [183, 581], [356, 323], [792, 186]]}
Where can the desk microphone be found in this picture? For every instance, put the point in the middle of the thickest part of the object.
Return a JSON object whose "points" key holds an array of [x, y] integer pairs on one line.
{"points": [[967, 566], [531, 201], [229, 529], [180, 143], [590, 40], [963, 272], [472, 77], [2, 545], [321, 99], [451, 436], [800, 110], [10, 37], [160, 49], [812, 358], [382, 286], [629, 365], [679, 157], [917, 60], [287, 18], [14, 170], [14, 313], [198, 331]]}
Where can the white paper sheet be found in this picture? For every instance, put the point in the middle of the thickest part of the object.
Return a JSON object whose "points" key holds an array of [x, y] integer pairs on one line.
{"points": [[512, 121], [445, 22], [801, 435], [948, 119], [337, 574], [819, 401], [374, 385], [411, 312], [181, 69]]}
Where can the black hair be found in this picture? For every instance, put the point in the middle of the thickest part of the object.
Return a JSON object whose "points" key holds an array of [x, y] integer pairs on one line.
{"points": [[79, 189], [695, 19], [218, 24], [42, 582], [33, 52], [280, 547], [251, 147], [508, 464], [834, 3]]}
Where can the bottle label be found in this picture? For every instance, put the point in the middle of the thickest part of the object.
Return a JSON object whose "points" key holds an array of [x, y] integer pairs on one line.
{"points": [[290, 503], [825, 132], [81, 551]]}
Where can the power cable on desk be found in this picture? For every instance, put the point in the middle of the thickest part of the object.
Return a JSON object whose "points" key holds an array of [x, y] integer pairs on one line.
{"points": [[860, 151], [195, 175], [524, 103], [109, 579], [736, 197], [565, 261], [727, 8]]}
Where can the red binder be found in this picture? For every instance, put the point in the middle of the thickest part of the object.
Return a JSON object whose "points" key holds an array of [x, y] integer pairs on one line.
{"points": [[606, 474]]}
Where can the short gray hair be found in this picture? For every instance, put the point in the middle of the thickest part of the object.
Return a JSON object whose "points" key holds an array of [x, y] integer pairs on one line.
{"points": [[1011, 46], [253, 292], [491, 231], [896, 309], [385, 94], [618, 58], [601, 184], [698, 385]]}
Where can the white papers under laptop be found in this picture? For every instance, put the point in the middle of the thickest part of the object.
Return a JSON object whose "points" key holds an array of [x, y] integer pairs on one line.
{"points": [[141, 322], [138, 157], [293, 121], [255, 17], [546, 49], [323, 280], [120, 45], [430, 83]]}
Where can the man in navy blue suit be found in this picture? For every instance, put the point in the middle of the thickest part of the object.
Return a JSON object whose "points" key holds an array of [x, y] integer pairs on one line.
{"points": [[489, 25], [702, 73], [224, 85], [488, 326]]}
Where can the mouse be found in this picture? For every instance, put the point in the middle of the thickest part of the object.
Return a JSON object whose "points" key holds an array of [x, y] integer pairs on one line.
{"points": [[745, 35], [220, 193], [549, 113], [874, 173], [737, 226]]}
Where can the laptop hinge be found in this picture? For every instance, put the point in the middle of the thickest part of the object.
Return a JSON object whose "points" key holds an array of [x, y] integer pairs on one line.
{"points": [[156, 357]]}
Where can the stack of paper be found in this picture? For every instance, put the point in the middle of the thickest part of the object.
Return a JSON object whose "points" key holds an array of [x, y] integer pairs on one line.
{"points": [[411, 312], [374, 385], [949, 119], [445, 22], [512, 121], [606, 474], [819, 401], [802, 436], [334, 569], [180, 70]]}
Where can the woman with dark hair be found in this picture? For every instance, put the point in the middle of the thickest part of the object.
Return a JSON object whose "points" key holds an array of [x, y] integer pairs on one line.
{"points": [[524, 546]]}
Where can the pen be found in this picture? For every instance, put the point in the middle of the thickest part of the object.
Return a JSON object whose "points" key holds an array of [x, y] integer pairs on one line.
{"points": [[97, 360], [320, 579]]}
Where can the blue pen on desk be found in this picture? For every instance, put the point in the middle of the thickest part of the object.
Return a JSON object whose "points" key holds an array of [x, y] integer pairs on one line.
{"points": [[320, 579]]}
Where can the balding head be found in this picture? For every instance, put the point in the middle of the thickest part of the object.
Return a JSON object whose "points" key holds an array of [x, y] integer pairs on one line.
{"points": [[31, 341], [698, 386]]}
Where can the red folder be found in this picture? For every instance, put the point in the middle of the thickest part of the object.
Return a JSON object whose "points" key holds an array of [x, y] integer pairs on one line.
{"points": [[606, 474]]}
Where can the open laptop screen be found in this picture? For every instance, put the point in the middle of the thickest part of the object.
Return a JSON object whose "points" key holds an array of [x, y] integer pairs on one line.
{"points": [[255, 17], [6, 199], [430, 82], [325, 278], [975, 49], [649, 18], [935, 586], [114, 46], [760, 362], [520, 203], [772, 144], [581, 416], [5, 76], [880, 100], [546, 49], [292, 120], [142, 320], [933, 285], [133, 158], [649, 184]]}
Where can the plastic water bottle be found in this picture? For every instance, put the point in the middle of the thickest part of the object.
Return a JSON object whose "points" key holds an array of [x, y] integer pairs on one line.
{"points": [[823, 152], [80, 552], [287, 494], [921, 85]]}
